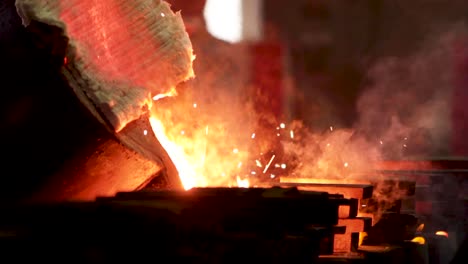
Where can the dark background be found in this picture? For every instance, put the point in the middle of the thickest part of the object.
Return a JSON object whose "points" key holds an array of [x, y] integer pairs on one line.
{"points": [[332, 44]]}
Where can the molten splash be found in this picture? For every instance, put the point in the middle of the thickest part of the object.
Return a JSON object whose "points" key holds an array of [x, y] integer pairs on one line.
{"points": [[210, 149], [200, 148]]}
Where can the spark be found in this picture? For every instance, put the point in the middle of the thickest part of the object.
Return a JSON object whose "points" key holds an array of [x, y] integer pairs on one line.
{"points": [[406, 138], [207, 130], [172, 92], [283, 166], [381, 142], [253, 135], [282, 125], [291, 134], [269, 163], [259, 164], [278, 134], [328, 144], [235, 151], [277, 128], [346, 164], [182, 132], [159, 96], [442, 233], [239, 165], [195, 105], [253, 172], [331, 128], [421, 228], [145, 132], [272, 176], [163, 15], [404, 145]]}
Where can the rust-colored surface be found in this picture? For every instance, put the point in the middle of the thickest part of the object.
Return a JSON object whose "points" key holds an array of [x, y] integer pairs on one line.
{"points": [[101, 171], [344, 211], [345, 243], [349, 241], [349, 210], [353, 225]]}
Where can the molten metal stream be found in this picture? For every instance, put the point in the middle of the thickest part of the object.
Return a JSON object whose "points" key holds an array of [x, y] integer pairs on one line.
{"points": [[176, 152]]}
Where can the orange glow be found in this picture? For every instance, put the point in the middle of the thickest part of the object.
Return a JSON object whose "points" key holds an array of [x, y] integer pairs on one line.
{"points": [[420, 228], [172, 92], [210, 149], [419, 240], [362, 236], [243, 183], [202, 152], [185, 169], [442, 233], [216, 141]]}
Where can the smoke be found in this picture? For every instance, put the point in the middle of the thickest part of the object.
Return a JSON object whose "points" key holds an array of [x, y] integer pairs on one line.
{"points": [[229, 132], [404, 110], [404, 113], [407, 102]]}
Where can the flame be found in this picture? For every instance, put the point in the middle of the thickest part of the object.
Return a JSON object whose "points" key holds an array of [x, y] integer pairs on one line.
{"points": [[201, 150], [442, 233]]}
